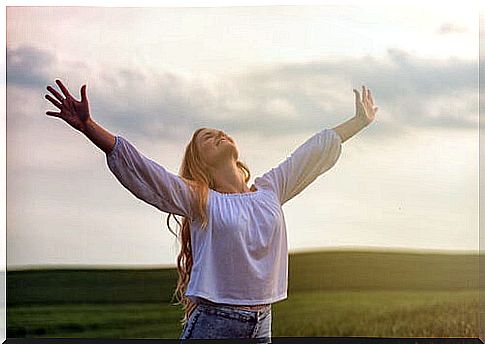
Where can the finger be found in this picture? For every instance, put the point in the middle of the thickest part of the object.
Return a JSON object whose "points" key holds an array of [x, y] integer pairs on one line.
{"points": [[53, 114], [84, 98], [55, 93], [357, 95], [53, 101], [364, 93], [370, 98], [63, 89], [358, 103], [357, 99]]}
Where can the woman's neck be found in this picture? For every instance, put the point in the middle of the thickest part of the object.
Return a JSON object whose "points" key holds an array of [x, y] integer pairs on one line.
{"points": [[228, 179]]}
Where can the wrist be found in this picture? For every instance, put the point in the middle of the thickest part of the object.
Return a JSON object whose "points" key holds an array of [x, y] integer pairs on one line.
{"points": [[362, 121], [89, 124]]}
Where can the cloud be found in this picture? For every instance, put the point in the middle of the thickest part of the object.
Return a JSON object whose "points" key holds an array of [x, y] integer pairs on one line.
{"points": [[273, 100], [410, 91], [27, 66]]}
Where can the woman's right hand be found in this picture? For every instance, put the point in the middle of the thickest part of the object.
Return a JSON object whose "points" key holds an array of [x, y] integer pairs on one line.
{"points": [[74, 112]]}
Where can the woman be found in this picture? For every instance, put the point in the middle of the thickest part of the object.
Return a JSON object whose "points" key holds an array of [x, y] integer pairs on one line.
{"points": [[233, 260]]}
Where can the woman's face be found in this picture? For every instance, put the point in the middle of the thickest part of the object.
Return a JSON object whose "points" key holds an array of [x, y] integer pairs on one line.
{"points": [[215, 146]]}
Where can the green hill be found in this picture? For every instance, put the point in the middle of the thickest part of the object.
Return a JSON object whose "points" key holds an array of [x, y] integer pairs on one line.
{"points": [[309, 271]]}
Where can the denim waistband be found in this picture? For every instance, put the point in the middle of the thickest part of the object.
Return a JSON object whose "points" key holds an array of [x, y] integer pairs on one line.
{"points": [[259, 308]]}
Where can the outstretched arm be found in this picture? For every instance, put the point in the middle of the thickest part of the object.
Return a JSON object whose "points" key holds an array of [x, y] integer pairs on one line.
{"points": [[143, 177], [311, 159], [317, 154], [147, 180], [99, 136]]}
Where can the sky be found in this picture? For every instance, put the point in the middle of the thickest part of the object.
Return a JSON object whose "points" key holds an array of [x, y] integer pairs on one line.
{"points": [[270, 76]]}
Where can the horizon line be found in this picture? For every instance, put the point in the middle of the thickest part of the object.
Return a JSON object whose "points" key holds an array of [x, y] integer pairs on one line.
{"points": [[370, 249]]}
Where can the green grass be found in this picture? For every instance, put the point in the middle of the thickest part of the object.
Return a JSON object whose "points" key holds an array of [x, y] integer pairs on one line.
{"points": [[317, 313], [137, 320], [369, 294], [379, 314]]}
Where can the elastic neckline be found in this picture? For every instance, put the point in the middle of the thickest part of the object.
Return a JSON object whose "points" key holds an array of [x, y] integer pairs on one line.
{"points": [[237, 194]]}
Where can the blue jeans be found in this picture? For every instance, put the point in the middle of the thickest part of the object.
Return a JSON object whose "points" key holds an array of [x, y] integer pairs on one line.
{"points": [[210, 321]]}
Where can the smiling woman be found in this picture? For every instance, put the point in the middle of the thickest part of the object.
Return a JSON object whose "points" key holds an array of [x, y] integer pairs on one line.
{"points": [[219, 153], [233, 262]]}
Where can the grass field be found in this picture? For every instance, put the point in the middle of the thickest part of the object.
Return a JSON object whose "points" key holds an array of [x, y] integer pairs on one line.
{"points": [[369, 294]]}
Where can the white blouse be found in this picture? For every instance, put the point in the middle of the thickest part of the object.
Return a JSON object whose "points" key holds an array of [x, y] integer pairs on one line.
{"points": [[241, 257]]}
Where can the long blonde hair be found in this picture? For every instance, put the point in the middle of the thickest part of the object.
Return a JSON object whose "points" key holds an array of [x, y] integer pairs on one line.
{"points": [[195, 172]]}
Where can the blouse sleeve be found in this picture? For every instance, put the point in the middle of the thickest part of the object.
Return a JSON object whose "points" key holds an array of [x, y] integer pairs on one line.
{"points": [[147, 180], [311, 159]]}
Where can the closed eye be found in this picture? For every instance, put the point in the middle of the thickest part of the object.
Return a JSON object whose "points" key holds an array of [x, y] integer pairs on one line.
{"points": [[207, 136]]}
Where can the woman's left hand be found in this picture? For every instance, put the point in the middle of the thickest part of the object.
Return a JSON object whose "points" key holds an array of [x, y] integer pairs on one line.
{"points": [[364, 107]]}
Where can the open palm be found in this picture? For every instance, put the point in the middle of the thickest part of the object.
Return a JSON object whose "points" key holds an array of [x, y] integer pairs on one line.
{"points": [[76, 113], [364, 106]]}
